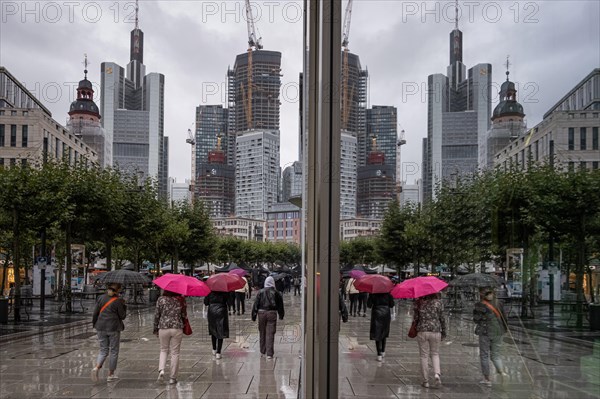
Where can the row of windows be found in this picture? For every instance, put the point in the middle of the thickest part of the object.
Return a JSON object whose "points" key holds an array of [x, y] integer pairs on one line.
{"points": [[583, 165], [582, 138], [13, 136], [11, 161]]}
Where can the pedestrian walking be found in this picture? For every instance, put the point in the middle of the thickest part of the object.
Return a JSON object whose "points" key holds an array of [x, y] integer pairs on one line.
{"points": [[296, 281], [249, 293], [428, 314], [490, 319], [231, 303], [218, 320], [353, 294], [363, 298], [267, 305], [381, 318], [171, 311], [240, 298], [109, 313]]}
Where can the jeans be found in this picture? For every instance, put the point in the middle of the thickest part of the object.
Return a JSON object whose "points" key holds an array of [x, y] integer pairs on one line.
{"points": [[489, 348], [267, 326], [429, 346], [109, 343], [353, 303], [362, 302], [240, 301], [170, 339]]}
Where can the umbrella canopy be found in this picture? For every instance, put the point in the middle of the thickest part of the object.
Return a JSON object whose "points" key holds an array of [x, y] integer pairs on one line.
{"points": [[184, 285], [122, 277], [279, 276], [238, 272], [356, 273], [418, 287], [374, 284], [225, 282], [476, 280]]}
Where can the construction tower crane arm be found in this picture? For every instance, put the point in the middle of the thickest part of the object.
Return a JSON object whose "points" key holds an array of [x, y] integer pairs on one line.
{"points": [[346, 28], [253, 42]]}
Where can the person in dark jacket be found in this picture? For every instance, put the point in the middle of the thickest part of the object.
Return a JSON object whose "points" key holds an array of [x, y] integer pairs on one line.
{"points": [[109, 313], [490, 319], [343, 309], [381, 318], [267, 305], [218, 320]]}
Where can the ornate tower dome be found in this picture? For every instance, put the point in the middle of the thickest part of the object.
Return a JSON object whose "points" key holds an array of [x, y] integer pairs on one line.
{"points": [[508, 107], [84, 107]]}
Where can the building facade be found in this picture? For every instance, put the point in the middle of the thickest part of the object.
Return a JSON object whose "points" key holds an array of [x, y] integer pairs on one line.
{"points": [[382, 123], [458, 118], [569, 131], [256, 173], [132, 109], [215, 184], [351, 229], [179, 192], [242, 228], [292, 181], [28, 132], [283, 223], [348, 175]]}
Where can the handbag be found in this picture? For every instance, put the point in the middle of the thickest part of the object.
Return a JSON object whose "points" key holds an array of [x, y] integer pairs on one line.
{"points": [[412, 332], [187, 329]]}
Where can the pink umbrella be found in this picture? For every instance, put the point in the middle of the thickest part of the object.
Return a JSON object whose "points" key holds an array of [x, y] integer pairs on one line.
{"points": [[225, 282], [418, 287], [374, 284], [238, 272], [356, 273], [184, 285]]}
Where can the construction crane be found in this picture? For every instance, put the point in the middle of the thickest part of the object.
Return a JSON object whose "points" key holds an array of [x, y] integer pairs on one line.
{"points": [[192, 141], [346, 92], [253, 44]]}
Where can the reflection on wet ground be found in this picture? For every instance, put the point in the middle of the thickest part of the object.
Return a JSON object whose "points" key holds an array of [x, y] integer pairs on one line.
{"points": [[57, 364]]}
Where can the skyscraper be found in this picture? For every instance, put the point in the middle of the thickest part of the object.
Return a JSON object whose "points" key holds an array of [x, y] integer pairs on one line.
{"points": [[382, 123], [132, 106], [348, 172], [253, 130], [376, 186], [215, 182], [84, 121], [458, 118], [354, 118]]}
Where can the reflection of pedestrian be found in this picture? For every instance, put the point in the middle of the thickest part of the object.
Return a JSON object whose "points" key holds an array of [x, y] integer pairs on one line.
{"points": [[296, 283], [491, 326], [109, 313], [428, 312], [218, 320], [168, 325], [240, 298], [249, 293], [353, 293], [267, 305], [380, 320], [362, 303]]}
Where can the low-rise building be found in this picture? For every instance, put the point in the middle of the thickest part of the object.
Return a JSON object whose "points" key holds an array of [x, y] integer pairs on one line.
{"points": [[240, 227], [351, 229], [283, 223]]}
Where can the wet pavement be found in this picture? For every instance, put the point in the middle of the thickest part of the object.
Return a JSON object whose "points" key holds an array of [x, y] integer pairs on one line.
{"points": [[51, 356]]}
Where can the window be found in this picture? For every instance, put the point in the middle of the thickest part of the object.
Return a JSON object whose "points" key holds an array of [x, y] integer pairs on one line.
{"points": [[12, 162], [13, 113], [24, 135], [571, 138], [2, 162], [582, 134], [1, 135], [582, 165], [13, 135], [25, 113], [595, 138], [595, 165], [571, 166], [24, 161]]}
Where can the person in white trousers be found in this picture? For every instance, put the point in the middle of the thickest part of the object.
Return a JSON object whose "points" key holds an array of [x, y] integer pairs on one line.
{"points": [[168, 325]]}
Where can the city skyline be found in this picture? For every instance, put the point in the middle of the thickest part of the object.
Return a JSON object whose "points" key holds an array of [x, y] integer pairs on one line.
{"points": [[546, 61]]}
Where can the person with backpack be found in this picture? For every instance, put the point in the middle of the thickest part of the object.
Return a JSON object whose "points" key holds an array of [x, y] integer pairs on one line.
{"points": [[107, 319], [490, 321], [267, 305]]}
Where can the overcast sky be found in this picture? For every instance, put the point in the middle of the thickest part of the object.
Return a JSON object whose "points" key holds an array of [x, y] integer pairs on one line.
{"points": [[552, 46]]}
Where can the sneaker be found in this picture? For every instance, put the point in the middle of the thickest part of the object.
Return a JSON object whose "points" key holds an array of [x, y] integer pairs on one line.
{"points": [[438, 380], [364, 315], [425, 384], [383, 354], [161, 376], [269, 357], [485, 382], [380, 358], [214, 351], [95, 374], [112, 378], [172, 381], [218, 356]]}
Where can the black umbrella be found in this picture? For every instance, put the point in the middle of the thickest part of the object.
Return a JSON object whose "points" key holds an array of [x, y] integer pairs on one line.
{"points": [[122, 277], [476, 280]]}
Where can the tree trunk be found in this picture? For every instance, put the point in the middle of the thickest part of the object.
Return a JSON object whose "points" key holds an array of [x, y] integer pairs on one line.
{"points": [[579, 281], [4, 272], [68, 268], [108, 244]]}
